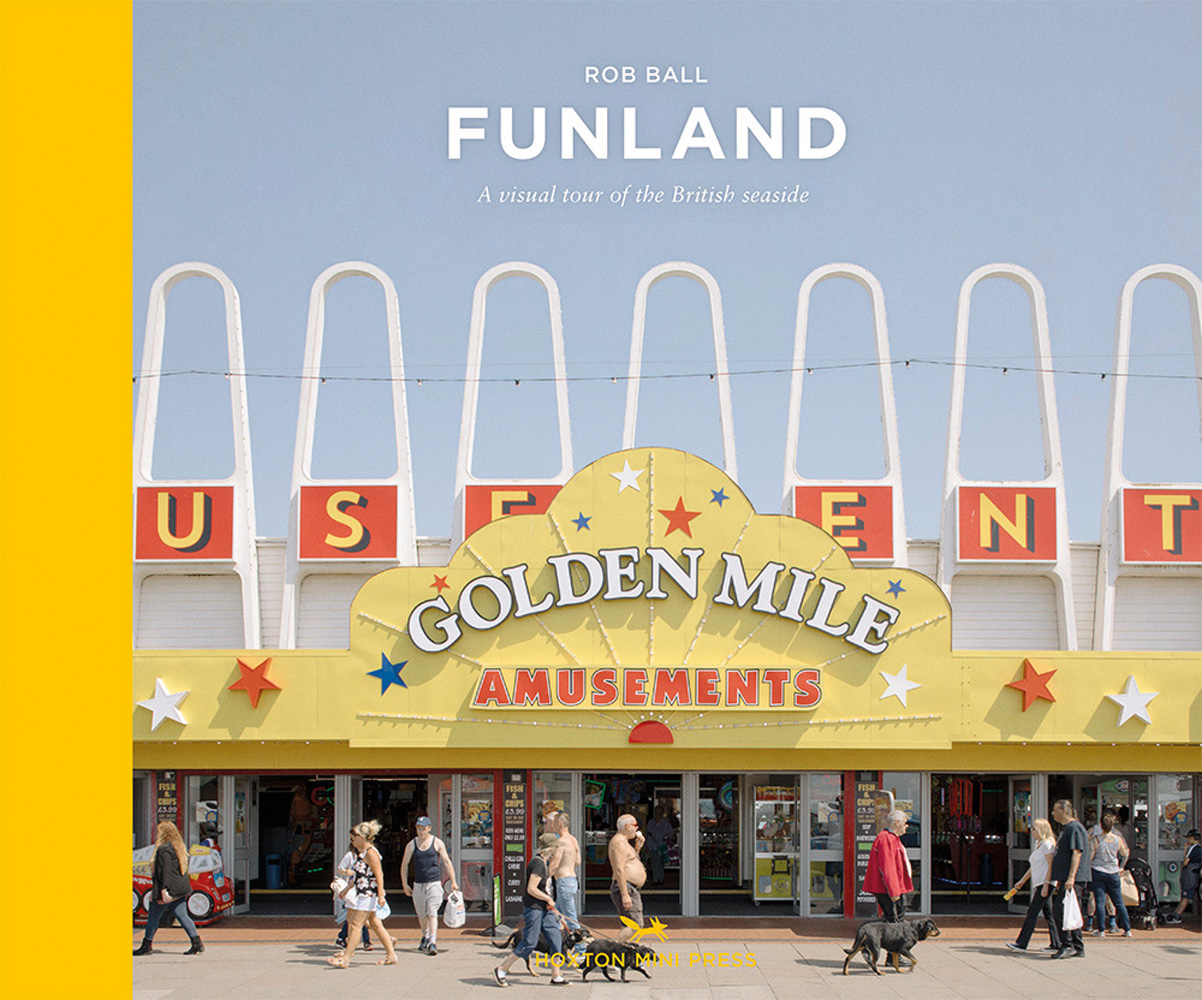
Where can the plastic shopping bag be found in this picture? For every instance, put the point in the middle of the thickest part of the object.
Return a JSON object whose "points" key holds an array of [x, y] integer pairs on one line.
{"points": [[1072, 912], [455, 914], [383, 910]]}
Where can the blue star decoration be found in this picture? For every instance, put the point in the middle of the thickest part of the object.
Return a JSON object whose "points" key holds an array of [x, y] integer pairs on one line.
{"points": [[895, 587], [581, 522], [719, 496], [389, 673]]}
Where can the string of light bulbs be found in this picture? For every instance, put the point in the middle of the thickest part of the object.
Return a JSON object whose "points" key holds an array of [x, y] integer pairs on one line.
{"points": [[418, 380]]}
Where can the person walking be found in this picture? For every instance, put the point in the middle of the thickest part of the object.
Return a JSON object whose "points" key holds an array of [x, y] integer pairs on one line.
{"points": [[564, 868], [628, 874], [1070, 847], [1040, 865], [539, 915], [430, 860], [1108, 856], [368, 880], [343, 886], [889, 876], [1191, 869], [169, 888]]}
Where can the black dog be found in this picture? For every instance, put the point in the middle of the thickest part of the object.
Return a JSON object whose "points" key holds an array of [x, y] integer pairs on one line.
{"points": [[570, 940], [896, 939], [608, 954]]}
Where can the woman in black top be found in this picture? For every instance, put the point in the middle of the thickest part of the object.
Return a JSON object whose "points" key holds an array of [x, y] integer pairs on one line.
{"points": [[1190, 872], [538, 914], [169, 888]]}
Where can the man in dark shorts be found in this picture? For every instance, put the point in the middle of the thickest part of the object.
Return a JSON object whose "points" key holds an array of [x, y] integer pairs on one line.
{"points": [[628, 873], [1070, 847]]}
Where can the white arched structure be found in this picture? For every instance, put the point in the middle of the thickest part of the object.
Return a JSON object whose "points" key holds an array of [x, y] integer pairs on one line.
{"points": [[682, 269], [1052, 561], [176, 577], [466, 483], [891, 480], [1115, 562], [342, 572]]}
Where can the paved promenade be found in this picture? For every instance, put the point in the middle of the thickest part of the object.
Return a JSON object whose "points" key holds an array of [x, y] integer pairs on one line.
{"points": [[265, 958]]}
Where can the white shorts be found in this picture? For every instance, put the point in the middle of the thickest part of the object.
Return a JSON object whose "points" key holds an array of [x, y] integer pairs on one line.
{"points": [[427, 898], [364, 902]]}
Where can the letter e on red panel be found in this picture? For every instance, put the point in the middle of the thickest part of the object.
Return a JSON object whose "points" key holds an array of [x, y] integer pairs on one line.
{"points": [[859, 518]]}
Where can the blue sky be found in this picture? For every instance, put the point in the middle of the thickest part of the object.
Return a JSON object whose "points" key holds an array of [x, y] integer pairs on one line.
{"points": [[273, 140]]}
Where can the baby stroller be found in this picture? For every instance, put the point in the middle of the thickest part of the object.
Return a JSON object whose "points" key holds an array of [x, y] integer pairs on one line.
{"points": [[1146, 910]]}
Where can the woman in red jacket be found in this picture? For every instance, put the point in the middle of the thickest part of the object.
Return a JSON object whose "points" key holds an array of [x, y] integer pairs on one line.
{"points": [[888, 876]]}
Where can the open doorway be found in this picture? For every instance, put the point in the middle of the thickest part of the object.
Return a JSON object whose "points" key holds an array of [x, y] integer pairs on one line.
{"points": [[970, 817], [654, 801]]}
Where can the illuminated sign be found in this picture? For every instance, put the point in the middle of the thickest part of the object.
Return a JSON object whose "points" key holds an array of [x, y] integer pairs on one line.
{"points": [[185, 522], [1162, 524], [347, 522], [859, 518], [1007, 523]]}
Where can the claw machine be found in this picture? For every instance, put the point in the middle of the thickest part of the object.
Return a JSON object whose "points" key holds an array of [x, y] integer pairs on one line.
{"points": [[776, 845]]}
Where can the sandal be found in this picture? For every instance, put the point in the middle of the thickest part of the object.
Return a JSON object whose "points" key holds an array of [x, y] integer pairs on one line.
{"points": [[386, 961], [500, 977], [338, 962]]}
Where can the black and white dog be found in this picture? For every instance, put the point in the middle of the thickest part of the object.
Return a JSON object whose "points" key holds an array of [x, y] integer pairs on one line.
{"points": [[895, 938]]}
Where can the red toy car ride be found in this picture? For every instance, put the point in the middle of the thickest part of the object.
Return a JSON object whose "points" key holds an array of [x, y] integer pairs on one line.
{"points": [[212, 893]]}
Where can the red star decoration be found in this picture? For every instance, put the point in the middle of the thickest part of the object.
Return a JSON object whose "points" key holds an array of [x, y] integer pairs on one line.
{"points": [[678, 517], [254, 681], [440, 583], [1033, 685]]}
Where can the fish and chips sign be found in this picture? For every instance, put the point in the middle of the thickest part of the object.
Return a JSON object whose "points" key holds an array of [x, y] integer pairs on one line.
{"points": [[650, 583]]}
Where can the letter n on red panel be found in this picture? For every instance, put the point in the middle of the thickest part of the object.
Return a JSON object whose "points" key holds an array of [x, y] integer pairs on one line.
{"points": [[1007, 523]]}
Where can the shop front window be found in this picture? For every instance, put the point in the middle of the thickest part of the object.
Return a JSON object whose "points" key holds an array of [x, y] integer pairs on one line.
{"points": [[475, 839], [552, 793], [1174, 816], [825, 806], [202, 807]]}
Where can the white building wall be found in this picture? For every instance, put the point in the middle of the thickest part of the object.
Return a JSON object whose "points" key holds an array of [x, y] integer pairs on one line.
{"points": [[190, 611]]}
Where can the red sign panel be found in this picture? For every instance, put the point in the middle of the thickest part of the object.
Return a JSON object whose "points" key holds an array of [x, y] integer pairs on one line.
{"points": [[185, 522], [347, 522], [1162, 524], [1007, 523], [860, 518], [482, 504]]}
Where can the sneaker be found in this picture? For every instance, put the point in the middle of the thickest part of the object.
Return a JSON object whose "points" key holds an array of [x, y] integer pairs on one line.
{"points": [[500, 977], [423, 946], [1097, 933], [431, 949], [560, 982], [1015, 947], [1127, 933]]}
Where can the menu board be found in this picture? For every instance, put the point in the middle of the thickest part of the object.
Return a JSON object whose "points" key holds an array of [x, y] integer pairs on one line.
{"points": [[865, 834], [166, 798], [515, 821]]}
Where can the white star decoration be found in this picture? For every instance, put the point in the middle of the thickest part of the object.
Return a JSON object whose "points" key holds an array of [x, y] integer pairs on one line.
{"points": [[898, 685], [164, 705], [628, 476], [1133, 702]]}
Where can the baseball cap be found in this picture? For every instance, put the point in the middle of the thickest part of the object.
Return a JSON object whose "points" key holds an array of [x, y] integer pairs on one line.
{"points": [[423, 821]]}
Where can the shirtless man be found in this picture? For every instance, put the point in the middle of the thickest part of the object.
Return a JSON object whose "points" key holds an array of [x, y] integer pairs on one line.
{"points": [[628, 873], [565, 865]]}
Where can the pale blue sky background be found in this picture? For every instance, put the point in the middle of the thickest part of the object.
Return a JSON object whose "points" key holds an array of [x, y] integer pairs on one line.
{"points": [[275, 139]]}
